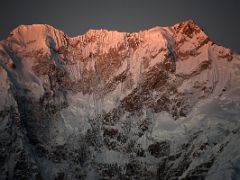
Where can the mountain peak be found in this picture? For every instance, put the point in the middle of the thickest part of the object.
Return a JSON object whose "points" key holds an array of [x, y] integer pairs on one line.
{"points": [[116, 105], [34, 29], [187, 35], [37, 35], [188, 22], [189, 27]]}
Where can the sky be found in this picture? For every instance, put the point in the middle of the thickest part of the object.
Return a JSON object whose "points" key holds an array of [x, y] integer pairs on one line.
{"points": [[220, 19]]}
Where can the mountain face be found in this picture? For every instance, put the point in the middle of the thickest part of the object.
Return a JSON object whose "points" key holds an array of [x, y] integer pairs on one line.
{"points": [[163, 103]]}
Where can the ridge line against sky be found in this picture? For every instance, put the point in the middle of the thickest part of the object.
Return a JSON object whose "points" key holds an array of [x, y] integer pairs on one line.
{"points": [[218, 18]]}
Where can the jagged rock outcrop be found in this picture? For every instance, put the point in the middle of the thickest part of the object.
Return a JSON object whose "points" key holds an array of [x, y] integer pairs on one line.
{"points": [[161, 103]]}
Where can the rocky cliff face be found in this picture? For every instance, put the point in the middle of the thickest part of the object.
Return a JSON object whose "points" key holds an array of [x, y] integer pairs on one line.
{"points": [[162, 103]]}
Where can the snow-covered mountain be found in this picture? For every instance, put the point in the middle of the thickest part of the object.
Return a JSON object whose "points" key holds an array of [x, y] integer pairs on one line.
{"points": [[163, 103]]}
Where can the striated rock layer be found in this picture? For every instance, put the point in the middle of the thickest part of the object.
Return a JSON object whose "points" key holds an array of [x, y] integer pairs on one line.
{"points": [[163, 103]]}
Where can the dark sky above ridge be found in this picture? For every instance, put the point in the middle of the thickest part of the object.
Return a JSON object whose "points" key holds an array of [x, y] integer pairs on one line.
{"points": [[219, 18]]}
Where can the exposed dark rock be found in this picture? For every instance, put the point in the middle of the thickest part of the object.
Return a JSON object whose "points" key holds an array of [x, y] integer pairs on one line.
{"points": [[159, 149]]}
